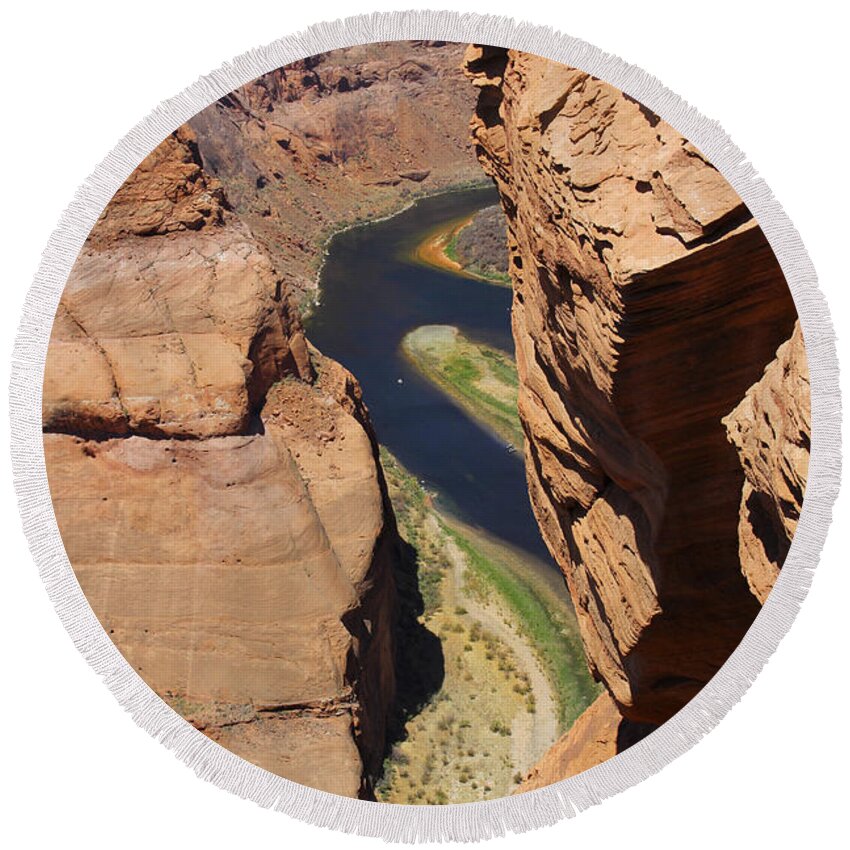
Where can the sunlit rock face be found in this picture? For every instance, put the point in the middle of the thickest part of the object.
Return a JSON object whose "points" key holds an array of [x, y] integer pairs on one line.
{"points": [[342, 136], [647, 304], [216, 483], [771, 430]]}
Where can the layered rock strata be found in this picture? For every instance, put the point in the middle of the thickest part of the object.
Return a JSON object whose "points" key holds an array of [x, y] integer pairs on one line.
{"points": [[647, 302], [216, 483], [771, 430], [338, 138]]}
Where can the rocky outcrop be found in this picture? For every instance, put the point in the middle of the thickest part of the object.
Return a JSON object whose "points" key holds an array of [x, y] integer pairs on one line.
{"points": [[337, 138], [599, 733], [216, 484], [770, 429], [647, 302], [168, 192], [173, 322]]}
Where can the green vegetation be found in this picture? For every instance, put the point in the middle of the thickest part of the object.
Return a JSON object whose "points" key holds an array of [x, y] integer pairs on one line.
{"points": [[484, 381], [451, 249], [537, 617], [481, 379], [499, 278], [463, 732], [471, 246], [411, 506]]}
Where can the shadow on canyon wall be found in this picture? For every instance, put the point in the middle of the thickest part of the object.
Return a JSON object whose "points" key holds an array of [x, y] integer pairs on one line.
{"points": [[419, 662]]}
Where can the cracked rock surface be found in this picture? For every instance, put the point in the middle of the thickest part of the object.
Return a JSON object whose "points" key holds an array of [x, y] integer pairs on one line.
{"points": [[647, 303], [216, 484], [771, 430]]}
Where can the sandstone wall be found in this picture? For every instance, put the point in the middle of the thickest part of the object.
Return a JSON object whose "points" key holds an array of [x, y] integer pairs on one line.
{"points": [[646, 303], [771, 430], [216, 483], [351, 134], [599, 734]]}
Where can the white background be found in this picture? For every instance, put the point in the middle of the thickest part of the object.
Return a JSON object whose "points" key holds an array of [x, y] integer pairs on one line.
{"points": [[76, 77]]}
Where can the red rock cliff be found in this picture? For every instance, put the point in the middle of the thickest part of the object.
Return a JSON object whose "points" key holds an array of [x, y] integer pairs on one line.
{"points": [[344, 136], [217, 486], [646, 303], [770, 428]]}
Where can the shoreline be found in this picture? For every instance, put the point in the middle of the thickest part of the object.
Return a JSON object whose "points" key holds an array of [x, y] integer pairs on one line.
{"points": [[484, 411], [501, 705], [433, 250], [313, 299], [532, 733], [529, 588]]}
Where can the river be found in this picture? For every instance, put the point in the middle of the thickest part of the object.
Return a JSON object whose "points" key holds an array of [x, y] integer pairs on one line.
{"points": [[372, 294]]}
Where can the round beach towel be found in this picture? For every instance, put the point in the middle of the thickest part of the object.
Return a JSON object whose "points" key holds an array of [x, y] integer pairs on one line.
{"points": [[420, 424]]}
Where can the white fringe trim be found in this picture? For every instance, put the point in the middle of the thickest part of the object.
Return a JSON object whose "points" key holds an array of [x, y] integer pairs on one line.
{"points": [[469, 821]]}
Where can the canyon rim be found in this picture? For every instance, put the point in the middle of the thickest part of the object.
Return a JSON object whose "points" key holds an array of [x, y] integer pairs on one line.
{"points": [[294, 578]]}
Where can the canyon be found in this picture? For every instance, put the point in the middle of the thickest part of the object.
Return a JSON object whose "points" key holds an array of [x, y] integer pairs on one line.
{"points": [[337, 139], [217, 479], [214, 477], [647, 304], [216, 483]]}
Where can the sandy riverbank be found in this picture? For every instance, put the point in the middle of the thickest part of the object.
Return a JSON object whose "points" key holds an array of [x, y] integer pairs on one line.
{"points": [[481, 379], [437, 248], [498, 709]]}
